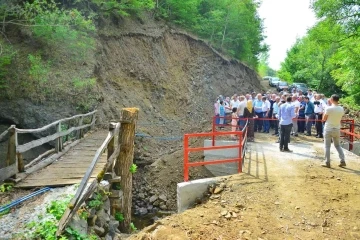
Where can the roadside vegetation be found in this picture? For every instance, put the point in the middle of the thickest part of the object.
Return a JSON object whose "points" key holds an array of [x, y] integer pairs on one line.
{"points": [[327, 58]]}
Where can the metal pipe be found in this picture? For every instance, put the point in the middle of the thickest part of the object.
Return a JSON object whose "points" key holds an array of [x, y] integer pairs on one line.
{"points": [[22, 199]]}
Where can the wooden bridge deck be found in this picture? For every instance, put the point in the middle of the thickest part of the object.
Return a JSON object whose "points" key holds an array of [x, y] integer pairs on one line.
{"points": [[71, 167]]}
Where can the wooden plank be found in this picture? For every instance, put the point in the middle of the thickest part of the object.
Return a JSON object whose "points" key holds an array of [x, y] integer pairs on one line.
{"points": [[46, 162], [8, 171], [41, 141], [55, 183], [55, 123]]}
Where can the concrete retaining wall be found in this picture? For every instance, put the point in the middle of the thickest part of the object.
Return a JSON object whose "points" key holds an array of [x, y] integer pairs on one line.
{"points": [[187, 192], [356, 147], [211, 155]]}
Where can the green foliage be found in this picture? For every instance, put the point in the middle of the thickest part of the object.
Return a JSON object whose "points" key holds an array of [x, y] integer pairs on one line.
{"points": [[66, 32], [123, 8], [6, 57], [38, 70], [96, 202], [231, 26], [119, 217], [327, 58], [84, 83], [132, 226], [133, 168], [6, 187]]}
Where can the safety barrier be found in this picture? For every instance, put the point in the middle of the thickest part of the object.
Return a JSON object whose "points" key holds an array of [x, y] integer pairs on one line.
{"points": [[241, 145], [347, 132]]}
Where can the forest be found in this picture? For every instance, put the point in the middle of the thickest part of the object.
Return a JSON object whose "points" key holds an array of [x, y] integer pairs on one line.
{"points": [[328, 57]]}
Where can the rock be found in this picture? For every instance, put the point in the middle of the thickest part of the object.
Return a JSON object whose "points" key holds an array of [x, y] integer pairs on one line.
{"points": [[297, 207], [153, 198], [277, 203], [143, 211], [156, 203], [108, 237], [163, 197], [224, 212], [99, 231], [222, 185], [325, 223], [218, 190], [106, 205], [163, 206], [91, 220], [78, 224], [228, 215], [102, 218], [234, 215], [141, 196], [113, 226]]}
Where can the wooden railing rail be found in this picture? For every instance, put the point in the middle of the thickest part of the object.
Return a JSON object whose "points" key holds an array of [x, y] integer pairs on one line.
{"points": [[120, 147], [55, 123], [79, 197], [14, 159]]}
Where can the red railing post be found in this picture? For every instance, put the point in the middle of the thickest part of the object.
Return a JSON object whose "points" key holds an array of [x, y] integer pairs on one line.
{"points": [[213, 130], [240, 152], [186, 158], [352, 130]]}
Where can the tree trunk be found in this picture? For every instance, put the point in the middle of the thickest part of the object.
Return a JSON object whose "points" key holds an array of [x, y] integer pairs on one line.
{"points": [[224, 33], [124, 162]]}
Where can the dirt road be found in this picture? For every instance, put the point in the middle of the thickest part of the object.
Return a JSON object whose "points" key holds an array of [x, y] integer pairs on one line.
{"points": [[278, 196]]}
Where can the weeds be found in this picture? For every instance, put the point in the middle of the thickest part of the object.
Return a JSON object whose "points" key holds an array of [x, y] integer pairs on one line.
{"points": [[119, 217], [6, 187], [133, 168]]}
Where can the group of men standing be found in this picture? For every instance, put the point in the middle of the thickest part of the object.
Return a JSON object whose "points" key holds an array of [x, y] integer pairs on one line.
{"points": [[291, 114]]}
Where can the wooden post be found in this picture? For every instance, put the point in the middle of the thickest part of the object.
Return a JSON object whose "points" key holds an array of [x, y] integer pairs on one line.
{"points": [[21, 165], [58, 141], [124, 162], [11, 154], [111, 145], [80, 131]]}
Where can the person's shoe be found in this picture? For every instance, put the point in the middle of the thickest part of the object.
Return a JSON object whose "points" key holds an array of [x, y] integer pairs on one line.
{"points": [[296, 135], [274, 134], [287, 150], [263, 131], [307, 134], [292, 134], [327, 165], [281, 150], [277, 141], [342, 164]]}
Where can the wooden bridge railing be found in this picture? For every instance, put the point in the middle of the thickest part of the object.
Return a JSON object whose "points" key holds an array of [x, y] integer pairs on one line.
{"points": [[14, 159], [119, 144]]}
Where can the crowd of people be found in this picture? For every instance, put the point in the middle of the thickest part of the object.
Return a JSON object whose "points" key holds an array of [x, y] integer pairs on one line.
{"points": [[287, 113]]}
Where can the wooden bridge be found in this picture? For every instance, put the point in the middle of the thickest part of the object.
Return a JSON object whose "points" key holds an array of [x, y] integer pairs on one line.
{"points": [[72, 153]]}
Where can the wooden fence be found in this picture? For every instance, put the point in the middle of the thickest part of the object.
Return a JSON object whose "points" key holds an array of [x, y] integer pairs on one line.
{"points": [[119, 144], [14, 158]]}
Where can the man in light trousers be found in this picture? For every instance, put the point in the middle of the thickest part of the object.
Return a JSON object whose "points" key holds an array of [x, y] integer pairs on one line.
{"points": [[332, 119]]}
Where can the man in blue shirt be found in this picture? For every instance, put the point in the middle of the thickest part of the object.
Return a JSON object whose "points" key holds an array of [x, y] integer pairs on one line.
{"points": [[309, 115], [286, 114]]}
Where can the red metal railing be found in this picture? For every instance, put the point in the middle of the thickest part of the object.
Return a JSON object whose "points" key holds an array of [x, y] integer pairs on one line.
{"points": [[350, 134], [242, 140]]}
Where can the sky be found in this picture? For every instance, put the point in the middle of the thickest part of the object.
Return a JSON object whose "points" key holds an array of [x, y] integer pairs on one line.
{"points": [[284, 22]]}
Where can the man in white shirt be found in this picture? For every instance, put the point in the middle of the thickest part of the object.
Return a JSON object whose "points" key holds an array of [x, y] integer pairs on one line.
{"points": [[296, 105], [332, 119], [319, 110], [235, 103], [240, 111]]}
